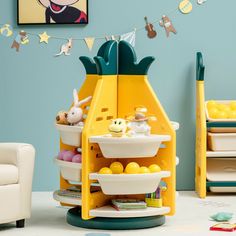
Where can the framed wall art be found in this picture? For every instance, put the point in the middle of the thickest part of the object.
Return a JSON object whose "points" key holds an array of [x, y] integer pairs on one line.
{"points": [[33, 12]]}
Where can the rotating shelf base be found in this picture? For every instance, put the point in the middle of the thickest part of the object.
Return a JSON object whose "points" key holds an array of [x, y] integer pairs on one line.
{"points": [[74, 218]]}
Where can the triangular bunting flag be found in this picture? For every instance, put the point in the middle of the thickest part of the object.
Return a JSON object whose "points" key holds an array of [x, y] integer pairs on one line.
{"points": [[129, 37], [89, 42]]}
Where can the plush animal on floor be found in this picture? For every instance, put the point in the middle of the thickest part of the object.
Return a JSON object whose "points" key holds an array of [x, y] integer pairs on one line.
{"points": [[21, 38], [118, 127], [61, 118], [58, 11], [65, 48], [75, 114], [167, 24]]}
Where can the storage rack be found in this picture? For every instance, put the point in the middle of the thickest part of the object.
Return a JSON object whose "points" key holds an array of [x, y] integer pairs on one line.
{"points": [[118, 84], [202, 126]]}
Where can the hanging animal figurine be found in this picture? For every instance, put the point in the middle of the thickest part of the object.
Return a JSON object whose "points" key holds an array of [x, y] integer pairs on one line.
{"points": [[200, 2], [65, 48], [21, 38], [167, 24], [150, 29], [75, 114]]}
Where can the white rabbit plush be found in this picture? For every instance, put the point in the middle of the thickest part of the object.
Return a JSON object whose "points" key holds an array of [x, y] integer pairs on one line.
{"points": [[75, 114]]}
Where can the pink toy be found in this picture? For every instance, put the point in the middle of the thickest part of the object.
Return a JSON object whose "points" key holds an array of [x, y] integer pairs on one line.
{"points": [[77, 158], [61, 154], [68, 156]]}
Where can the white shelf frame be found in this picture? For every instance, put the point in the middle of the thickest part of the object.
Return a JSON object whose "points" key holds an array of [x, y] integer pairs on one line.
{"points": [[109, 211]]}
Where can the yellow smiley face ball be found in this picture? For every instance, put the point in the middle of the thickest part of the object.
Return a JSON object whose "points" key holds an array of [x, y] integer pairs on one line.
{"points": [[185, 6]]}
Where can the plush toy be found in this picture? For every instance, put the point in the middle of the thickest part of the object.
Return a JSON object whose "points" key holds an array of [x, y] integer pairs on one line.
{"points": [[61, 118], [75, 115], [118, 127], [167, 24]]}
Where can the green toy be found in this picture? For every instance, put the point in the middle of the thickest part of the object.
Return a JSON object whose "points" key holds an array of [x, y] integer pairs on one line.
{"points": [[222, 216]]}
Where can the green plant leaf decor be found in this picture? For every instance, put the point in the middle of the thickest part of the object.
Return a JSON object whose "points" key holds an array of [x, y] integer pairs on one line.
{"points": [[128, 64]]}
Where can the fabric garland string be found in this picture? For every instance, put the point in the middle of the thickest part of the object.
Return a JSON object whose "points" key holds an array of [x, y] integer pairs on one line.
{"points": [[22, 37]]}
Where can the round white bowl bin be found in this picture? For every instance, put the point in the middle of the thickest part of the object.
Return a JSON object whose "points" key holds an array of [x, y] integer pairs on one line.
{"points": [[69, 170], [67, 200], [129, 147], [70, 135], [119, 184]]}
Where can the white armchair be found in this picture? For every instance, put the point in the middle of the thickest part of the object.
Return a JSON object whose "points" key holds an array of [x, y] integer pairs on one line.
{"points": [[16, 175]]}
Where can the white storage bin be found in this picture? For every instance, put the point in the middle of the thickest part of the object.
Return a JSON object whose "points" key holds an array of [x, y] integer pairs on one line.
{"points": [[222, 141], [119, 184], [70, 135], [69, 170], [129, 147], [221, 169], [67, 200]]}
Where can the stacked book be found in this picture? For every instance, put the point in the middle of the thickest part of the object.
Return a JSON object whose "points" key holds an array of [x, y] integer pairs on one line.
{"points": [[128, 204]]}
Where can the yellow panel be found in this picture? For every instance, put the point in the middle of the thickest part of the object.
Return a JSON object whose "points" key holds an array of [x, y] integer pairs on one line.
{"points": [[133, 91], [201, 143], [102, 108]]}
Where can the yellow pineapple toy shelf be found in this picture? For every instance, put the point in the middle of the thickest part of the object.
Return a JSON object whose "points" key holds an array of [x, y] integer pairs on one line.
{"points": [[215, 142], [118, 86]]}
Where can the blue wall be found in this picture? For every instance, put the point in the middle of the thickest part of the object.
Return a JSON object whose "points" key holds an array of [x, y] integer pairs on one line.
{"points": [[34, 85]]}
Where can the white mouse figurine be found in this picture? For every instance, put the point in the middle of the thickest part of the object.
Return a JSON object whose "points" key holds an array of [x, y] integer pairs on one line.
{"points": [[75, 114]]}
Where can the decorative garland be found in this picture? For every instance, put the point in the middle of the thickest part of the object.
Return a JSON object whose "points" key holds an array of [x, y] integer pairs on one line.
{"points": [[22, 37]]}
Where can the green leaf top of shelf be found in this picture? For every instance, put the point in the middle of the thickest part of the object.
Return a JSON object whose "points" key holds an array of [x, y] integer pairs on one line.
{"points": [[105, 63], [200, 68], [106, 58], [128, 64]]}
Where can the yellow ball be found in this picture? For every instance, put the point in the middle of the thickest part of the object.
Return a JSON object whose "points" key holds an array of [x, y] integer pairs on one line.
{"points": [[211, 104], [222, 107], [232, 114], [227, 108], [221, 115], [132, 168], [154, 168], [213, 113], [116, 168], [144, 170], [105, 171], [233, 105]]}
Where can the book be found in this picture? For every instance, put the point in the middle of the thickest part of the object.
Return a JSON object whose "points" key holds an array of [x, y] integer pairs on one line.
{"points": [[227, 227], [128, 204]]}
